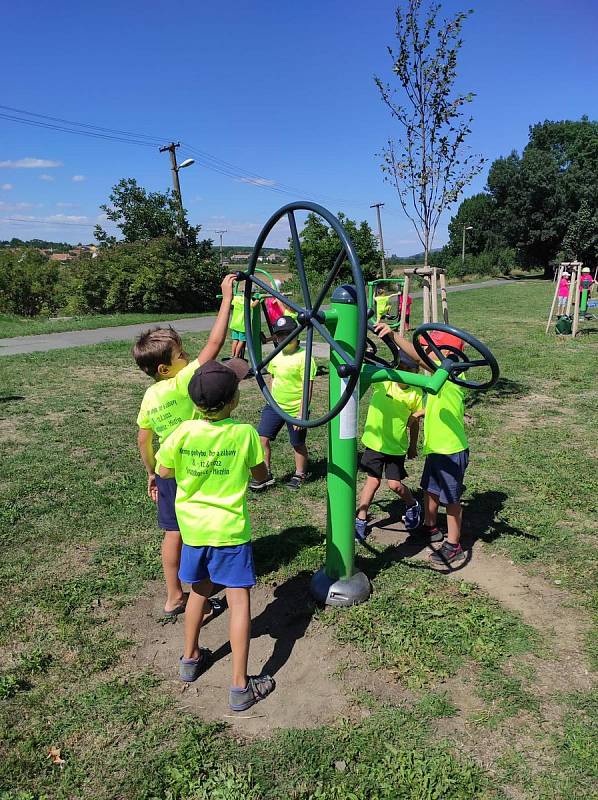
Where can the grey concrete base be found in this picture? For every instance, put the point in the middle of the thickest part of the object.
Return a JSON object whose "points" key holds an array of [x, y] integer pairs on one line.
{"points": [[349, 592]]}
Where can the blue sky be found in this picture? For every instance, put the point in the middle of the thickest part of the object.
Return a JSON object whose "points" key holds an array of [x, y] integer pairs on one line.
{"points": [[282, 90]]}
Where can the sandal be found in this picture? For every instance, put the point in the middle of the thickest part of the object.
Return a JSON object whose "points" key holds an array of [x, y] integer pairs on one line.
{"points": [[191, 668], [258, 688], [180, 609]]}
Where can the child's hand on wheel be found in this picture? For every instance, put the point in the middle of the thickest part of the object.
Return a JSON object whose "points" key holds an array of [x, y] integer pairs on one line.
{"points": [[152, 489], [382, 330]]}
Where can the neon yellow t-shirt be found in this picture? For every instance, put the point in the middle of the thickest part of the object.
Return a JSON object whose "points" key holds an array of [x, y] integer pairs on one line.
{"points": [[382, 306], [444, 421], [287, 370], [211, 461], [386, 423], [167, 403], [237, 318]]}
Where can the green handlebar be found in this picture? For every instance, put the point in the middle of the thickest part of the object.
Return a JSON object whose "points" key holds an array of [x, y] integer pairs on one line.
{"points": [[430, 383]]}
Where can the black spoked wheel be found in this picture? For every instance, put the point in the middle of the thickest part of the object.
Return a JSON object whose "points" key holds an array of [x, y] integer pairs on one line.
{"points": [[309, 315], [454, 359]]}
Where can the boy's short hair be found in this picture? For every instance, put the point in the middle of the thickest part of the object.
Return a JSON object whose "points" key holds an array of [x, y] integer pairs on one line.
{"points": [[215, 384], [155, 347]]}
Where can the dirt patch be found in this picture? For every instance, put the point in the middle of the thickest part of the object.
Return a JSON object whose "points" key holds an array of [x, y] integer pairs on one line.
{"points": [[287, 642], [526, 411]]}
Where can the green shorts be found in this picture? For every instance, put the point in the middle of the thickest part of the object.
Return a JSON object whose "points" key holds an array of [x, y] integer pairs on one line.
{"points": [[238, 336]]}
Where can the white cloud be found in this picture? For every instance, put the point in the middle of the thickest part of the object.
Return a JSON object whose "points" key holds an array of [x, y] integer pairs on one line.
{"points": [[257, 181], [45, 177], [67, 205], [78, 178], [17, 206], [7, 187], [66, 218], [31, 163]]}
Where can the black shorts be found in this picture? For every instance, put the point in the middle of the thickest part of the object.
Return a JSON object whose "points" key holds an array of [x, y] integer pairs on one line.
{"points": [[374, 464], [167, 520], [271, 424]]}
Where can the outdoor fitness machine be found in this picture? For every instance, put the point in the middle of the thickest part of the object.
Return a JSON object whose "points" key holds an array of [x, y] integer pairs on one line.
{"points": [[395, 286], [344, 327]]}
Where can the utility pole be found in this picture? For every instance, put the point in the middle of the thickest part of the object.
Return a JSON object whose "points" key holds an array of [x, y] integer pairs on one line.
{"points": [[465, 228], [171, 148], [221, 234], [378, 206]]}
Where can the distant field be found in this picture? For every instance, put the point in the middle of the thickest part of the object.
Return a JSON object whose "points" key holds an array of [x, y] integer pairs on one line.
{"points": [[12, 325]]}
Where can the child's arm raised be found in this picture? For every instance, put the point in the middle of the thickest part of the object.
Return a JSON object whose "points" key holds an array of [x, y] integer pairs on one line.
{"points": [[405, 345], [145, 443], [217, 336]]}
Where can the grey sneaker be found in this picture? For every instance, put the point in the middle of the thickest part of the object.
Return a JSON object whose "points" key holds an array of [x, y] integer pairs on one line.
{"points": [[258, 688], [295, 482], [361, 529], [413, 517], [191, 668], [258, 486], [447, 555]]}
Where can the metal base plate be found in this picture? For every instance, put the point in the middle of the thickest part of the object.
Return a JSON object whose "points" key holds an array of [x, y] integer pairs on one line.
{"points": [[349, 592]]}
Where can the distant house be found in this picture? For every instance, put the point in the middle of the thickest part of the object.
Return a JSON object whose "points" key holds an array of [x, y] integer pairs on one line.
{"points": [[240, 257], [273, 258], [61, 257]]}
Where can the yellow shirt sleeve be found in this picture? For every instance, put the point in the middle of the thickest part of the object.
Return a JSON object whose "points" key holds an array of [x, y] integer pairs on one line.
{"points": [[418, 401], [167, 451], [183, 378]]}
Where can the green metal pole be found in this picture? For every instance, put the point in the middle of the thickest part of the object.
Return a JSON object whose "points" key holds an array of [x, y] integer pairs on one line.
{"points": [[256, 330]]}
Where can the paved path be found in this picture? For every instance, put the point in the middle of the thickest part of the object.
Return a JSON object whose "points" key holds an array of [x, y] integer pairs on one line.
{"points": [[60, 341]]}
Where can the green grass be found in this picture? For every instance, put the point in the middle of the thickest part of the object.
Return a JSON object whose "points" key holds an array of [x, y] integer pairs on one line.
{"points": [[13, 325], [79, 542]]}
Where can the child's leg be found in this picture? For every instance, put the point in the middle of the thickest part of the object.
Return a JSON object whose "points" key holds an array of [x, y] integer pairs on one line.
{"points": [[454, 517], [403, 491], [267, 451], [300, 459], [239, 606], [368, 491], [194, 614], [171, 556], [431, 503], [241, 349]]}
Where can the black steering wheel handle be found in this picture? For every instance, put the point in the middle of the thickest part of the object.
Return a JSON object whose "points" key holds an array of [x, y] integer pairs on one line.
{"points": [[452, 358]]}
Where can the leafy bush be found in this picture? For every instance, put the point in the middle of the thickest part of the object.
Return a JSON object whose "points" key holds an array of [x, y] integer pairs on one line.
{"points": [[27, 283], [156, 276]]}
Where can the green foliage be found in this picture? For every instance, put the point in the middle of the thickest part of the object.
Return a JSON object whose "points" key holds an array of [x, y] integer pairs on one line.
{"points": [[27, 282], [428, 165], [543, 203], [158, 275], [143, 215], [320, 246]]}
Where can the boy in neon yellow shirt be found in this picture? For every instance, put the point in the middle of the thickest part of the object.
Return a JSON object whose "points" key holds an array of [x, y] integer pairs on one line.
{"points": [[287, 370], [237, 325], [447, 455], [166, 403], [211, 459], [390, 435]]}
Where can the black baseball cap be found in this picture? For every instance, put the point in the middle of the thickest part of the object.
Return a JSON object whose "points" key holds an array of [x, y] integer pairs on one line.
{"points": [[284, 325], [214, 384]]}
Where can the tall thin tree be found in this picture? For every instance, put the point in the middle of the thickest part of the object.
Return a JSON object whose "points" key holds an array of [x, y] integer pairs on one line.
{"points": [[429, 164]]}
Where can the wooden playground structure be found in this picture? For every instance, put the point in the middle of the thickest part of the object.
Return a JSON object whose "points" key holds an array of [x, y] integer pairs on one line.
{"points": [[433, 279], [573, 298]]}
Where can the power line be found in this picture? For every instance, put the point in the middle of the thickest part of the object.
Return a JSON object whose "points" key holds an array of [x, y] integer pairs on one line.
{"points": [[48, 222]]}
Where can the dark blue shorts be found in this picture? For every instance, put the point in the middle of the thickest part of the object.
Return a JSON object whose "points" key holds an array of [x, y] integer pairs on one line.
{"points": [[271, 424], [166, 495], [231, 567], [443, 475]]}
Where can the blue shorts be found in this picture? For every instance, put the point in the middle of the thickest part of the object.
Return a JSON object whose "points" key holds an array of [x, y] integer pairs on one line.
{"points": [[271, 424], [231, 567], [238, 336], [167, 520], [443, 475]]}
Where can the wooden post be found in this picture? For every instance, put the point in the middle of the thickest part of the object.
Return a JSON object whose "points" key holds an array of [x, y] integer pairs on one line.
{"points": [[434, 294], [571, 266], [577, 300], [404, 305], [443, 300], [556, 294], [426, 298]]}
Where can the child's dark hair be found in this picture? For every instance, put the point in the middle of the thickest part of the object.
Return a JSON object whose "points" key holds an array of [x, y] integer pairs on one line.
{"points": [[155, 347]]}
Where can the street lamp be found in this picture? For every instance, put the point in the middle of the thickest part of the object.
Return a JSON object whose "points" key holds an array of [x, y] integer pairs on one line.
{"points": [[465, 228], [186, 163]]}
